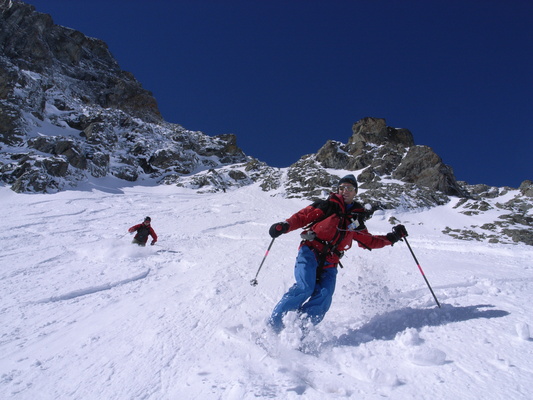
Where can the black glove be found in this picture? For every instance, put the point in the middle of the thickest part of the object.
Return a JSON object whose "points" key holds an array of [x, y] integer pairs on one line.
{"points": [[278, 228], [398, 232]]}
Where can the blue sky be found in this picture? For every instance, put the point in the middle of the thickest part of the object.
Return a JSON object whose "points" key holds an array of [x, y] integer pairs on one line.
{"points": [[286, 76]]}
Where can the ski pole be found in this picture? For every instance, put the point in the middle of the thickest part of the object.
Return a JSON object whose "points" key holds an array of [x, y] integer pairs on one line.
{"points": [[421, 271], [254, 282]]}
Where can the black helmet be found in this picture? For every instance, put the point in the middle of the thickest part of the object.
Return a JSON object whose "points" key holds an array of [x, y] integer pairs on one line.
{"points": [[148, 219]]}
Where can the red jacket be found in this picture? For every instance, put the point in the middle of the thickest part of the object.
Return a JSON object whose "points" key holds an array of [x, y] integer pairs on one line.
{"points": [[329, 220], [142, 232]]}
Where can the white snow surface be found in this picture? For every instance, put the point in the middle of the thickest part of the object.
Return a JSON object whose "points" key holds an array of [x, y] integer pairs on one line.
{"points": [[85, 314]]}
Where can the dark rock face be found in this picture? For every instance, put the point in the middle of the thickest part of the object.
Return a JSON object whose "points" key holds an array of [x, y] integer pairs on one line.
{"points": [[375, 131], [425, 168], [526, 188], [382, 151], [31, 42], [68, 113]]}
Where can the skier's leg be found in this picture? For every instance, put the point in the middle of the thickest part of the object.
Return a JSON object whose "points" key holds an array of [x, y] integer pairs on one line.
{"points": [[319, 303], [305, 275]]}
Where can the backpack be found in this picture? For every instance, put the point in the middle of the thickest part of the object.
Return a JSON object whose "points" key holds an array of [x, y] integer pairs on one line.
{"points": [[142, 233], [357, 215]]}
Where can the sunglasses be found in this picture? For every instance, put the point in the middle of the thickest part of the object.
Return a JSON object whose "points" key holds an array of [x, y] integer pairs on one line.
{"points": [[348, 189]]}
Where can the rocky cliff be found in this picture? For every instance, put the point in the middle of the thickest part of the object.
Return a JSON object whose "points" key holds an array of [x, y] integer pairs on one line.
{"points": [[69, 113]]}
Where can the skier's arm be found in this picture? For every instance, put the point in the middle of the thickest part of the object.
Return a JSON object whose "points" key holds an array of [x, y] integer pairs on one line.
{"points": [[154, 236], [134, 228], [368, 241], [304, 217]]}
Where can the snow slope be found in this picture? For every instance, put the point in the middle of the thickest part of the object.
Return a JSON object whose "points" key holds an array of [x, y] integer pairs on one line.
{"points": [[87, 315]]}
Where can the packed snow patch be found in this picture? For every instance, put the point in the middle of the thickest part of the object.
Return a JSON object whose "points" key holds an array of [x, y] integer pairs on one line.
{"points": [[88, 315]]}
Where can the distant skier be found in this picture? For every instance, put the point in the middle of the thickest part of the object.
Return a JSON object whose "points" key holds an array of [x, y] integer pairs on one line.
{"points": [[143, 231], [330, 227]]}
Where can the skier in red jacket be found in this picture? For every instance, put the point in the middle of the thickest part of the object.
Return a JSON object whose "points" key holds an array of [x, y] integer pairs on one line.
{"points": [[143, 231], [330, 228]]}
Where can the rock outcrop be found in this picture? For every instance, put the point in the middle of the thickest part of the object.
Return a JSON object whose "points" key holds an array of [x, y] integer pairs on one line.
{"points": [[378, 151], [68, 113]]}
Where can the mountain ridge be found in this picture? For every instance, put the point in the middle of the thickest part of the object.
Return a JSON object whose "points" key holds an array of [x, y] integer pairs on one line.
{"points": [[71, 115]]}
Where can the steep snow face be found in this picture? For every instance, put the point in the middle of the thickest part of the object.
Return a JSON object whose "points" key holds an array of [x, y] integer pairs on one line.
{"points": [[86, 314]]}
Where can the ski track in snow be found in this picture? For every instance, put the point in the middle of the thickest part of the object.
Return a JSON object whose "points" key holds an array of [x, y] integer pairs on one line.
{"points": [[94, 289], [87, 315]]}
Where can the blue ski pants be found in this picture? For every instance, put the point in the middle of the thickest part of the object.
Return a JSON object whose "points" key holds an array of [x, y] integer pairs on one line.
{"points": [[310, 296]]}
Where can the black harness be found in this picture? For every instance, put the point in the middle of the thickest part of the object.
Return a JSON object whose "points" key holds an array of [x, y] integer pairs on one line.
{"points": [[142, 233], [356, 213]]}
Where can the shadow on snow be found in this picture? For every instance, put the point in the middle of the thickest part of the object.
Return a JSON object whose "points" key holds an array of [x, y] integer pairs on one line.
{"points": [[387, 326]]}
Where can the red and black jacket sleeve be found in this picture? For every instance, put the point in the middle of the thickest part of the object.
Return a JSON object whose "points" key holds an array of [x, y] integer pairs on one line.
{"points": [[134, 228], [307, 215], [368, 241]]}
